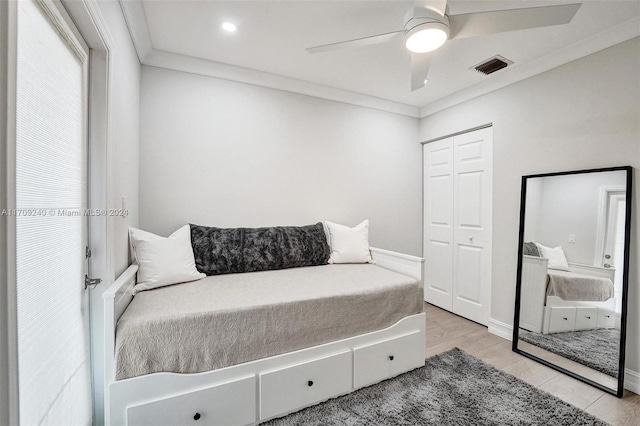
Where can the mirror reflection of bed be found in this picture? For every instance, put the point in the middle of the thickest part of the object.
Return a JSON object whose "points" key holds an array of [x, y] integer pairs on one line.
{"points": [[571, 277]]}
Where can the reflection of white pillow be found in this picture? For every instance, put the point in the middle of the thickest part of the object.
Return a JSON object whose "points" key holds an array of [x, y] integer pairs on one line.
{"points": [[557, 259], [163, 261], [349, 245]]}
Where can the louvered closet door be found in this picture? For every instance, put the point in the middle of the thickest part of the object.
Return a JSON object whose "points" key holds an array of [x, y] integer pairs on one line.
{"points": [[472, 225], [438, 223], [51, 228]]}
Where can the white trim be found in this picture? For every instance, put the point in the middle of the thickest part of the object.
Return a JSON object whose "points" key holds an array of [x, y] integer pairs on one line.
{"points": [[193, 65], [632, 380], [136, 19], [500, 329], [515, 73]]}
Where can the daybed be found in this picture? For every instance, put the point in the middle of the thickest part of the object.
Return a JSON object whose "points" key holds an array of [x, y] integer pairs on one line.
{"points": [[241, 348], [559, 301]]}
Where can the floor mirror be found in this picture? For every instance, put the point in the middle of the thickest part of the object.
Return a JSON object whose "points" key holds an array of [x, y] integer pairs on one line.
{"points": [[573, 262]]}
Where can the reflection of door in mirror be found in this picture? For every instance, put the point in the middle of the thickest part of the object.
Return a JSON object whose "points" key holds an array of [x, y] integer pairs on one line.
{"points": [[612, 227], [572, 273]]}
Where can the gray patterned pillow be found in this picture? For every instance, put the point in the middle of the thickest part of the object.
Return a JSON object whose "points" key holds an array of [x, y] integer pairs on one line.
{"points": [[233, 250], [531, 249]]}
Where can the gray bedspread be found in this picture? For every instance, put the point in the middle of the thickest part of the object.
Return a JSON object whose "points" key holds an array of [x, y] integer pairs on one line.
{"points": [[225, 320], [578, 287]]}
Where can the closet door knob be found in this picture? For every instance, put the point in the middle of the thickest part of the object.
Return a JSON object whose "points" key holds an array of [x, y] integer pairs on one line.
{"points": [[588, 317], [565, 318], [196, 416], [390, 357], [310, 383]]}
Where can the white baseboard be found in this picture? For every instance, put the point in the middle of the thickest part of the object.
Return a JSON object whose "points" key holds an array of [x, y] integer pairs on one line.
{"points": [[500, 329], [632, 381]]}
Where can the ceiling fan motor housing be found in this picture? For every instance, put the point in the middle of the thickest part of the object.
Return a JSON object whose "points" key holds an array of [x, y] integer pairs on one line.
{"points": [[419, 16]]}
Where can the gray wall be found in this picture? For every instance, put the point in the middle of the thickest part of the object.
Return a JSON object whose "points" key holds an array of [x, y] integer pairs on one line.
{"points": [[585, 114], [570, 204], [229, 154], [126, 127]]}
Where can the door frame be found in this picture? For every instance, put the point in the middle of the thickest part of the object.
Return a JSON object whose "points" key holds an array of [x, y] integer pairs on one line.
{"points": [[603, 213], [88, 18], [490, 242]]}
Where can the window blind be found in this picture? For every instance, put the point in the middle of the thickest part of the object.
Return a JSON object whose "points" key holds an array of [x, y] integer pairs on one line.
{"points": [[53, 347]]}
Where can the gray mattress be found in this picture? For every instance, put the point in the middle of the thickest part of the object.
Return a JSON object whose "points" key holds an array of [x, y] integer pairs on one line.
{"points": [[225, 320]]}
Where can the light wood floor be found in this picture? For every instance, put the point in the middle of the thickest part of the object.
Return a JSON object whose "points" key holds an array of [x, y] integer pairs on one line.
{"points": [[446, 330]]}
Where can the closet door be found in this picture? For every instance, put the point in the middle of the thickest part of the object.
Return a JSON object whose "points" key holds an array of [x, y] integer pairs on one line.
{"points": [[438, 223], [472, 225], [457, 224]]}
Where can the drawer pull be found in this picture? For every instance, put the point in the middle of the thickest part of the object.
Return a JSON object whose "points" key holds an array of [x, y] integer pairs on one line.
{"points": [[565, 318], [608, 316], [196, 416], [588, 317], [310, 383], [390, 357]]}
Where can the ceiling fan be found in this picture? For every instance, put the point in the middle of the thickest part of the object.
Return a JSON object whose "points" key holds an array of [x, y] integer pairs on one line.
{"points": [[428, 26]]}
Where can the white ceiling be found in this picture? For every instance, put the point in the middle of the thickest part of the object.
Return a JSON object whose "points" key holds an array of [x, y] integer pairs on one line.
{"points": [[273, 35]]}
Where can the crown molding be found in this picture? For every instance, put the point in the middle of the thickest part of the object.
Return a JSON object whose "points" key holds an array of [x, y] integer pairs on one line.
{"points": [[595, 43], [193, 65], [136, 19]]}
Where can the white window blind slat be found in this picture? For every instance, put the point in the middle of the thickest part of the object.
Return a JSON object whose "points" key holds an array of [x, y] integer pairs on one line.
{"points": [[51, 178]]}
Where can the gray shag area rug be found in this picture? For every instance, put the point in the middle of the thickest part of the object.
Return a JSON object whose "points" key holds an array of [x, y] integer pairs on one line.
{"points": [[597, 349], [452, 388]]}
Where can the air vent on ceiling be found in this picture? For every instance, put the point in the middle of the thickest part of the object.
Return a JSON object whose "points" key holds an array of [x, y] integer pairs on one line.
{"points": [[492, 65]]}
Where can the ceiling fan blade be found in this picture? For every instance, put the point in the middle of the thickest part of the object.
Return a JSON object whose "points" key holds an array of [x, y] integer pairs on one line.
{"points": [[419, 69], [365, 41], [483, 23], [438, 6]]}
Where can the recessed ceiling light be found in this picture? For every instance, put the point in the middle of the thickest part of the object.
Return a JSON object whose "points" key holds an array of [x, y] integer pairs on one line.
{"points": [[229, 27]]}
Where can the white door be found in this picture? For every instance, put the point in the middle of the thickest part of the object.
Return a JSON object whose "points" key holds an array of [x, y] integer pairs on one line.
{"points": [[457, 223], [438, 223], [472, 225], [54, 374]]}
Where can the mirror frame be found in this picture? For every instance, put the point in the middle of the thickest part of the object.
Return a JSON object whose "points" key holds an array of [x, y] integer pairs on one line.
{"points": [[625, 279]]}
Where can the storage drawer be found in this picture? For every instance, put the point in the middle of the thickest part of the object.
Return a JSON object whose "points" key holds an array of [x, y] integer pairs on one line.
{"points": [[304, 384], [606, 319], [387, 358], [562, 319], [586, 318], [230, 403]]}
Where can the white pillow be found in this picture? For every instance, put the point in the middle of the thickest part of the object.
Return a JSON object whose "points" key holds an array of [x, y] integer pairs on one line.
{"points": [[349, 245], [557, 259], [163, 261]]}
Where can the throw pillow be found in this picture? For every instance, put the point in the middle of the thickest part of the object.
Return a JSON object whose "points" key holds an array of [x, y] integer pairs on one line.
{"points": [[557, 259], [163, 261], [349, 245]]}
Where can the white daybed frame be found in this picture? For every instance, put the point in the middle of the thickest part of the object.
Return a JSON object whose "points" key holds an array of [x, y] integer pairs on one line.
{"points": [[548, 314], [255, 391]]}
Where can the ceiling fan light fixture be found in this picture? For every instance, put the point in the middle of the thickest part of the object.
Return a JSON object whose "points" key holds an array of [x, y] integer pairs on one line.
{"points": [[426, 37]]}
